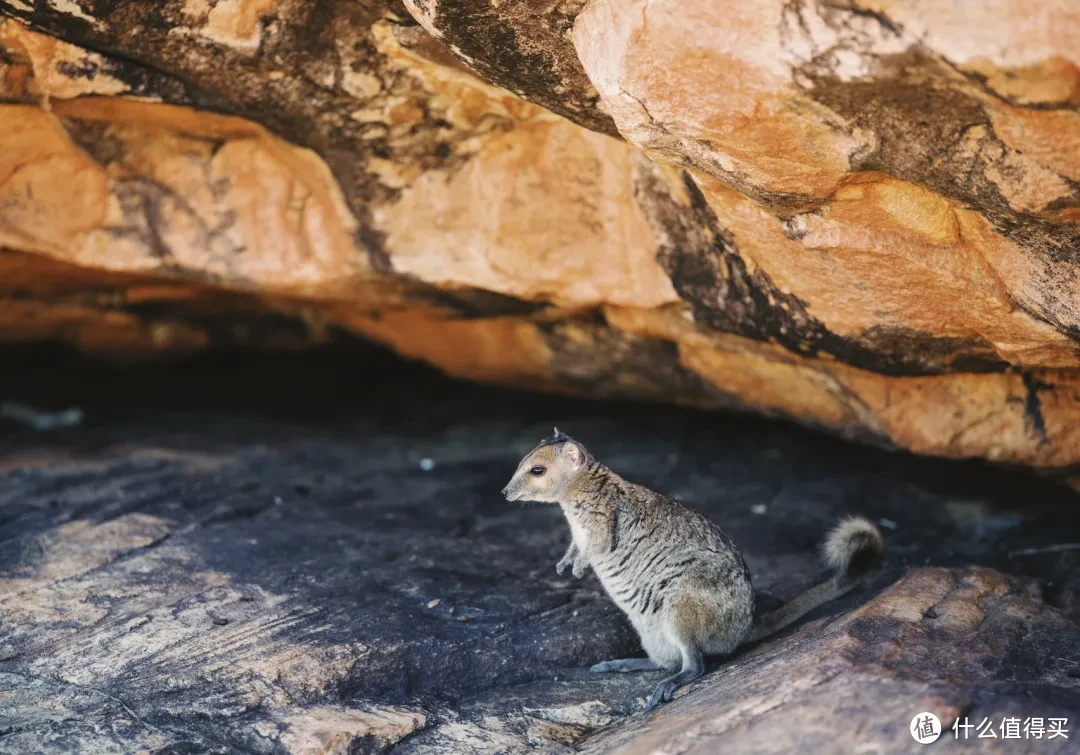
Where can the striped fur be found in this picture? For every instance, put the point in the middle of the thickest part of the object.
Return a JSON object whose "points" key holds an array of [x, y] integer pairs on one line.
{"points": [[681, 581]]}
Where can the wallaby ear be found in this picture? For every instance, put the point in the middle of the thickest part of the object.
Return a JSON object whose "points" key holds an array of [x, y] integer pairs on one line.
{"points": [[574, 454]]}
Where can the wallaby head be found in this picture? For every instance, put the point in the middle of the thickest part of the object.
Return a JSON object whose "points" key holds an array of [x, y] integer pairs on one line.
{"points": [[548, 472]]}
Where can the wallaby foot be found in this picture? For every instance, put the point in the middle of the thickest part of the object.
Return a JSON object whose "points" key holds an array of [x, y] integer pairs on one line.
{"points": [[624, 665], [693, 668]]}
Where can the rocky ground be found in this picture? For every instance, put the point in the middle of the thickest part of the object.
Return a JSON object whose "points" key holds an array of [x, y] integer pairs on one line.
{"points": [[311, 555]]}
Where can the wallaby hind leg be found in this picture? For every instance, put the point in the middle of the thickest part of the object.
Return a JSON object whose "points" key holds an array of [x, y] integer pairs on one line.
{"points": [[624, 665], [693, 667]]}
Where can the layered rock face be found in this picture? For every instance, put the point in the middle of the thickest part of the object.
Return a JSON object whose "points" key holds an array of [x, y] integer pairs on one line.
{"points": [[861, 215]]}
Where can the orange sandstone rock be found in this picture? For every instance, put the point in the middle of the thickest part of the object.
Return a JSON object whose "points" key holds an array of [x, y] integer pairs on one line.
{"points": [[860, 217]]}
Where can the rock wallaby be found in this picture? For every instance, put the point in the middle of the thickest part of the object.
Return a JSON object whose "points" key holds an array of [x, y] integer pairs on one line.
{"points": [[680, 579]]}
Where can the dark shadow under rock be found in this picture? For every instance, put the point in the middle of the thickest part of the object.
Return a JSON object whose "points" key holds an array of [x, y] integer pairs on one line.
{"points": [[274, 555]]}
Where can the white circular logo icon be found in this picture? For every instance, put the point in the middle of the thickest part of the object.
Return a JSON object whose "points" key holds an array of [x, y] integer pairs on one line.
{"points": [[925, 728]]}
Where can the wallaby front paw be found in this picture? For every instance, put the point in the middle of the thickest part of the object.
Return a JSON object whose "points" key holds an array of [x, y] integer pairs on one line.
{"points": [[581, 565]]}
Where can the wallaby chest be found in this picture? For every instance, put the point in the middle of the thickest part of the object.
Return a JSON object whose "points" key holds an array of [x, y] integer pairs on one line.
{"points": [[636, 564]]}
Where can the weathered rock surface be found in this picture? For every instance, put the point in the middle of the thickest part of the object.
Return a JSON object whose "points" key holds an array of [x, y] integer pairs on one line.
{"points": [[208, 564], [862, 216], [854, 685]]}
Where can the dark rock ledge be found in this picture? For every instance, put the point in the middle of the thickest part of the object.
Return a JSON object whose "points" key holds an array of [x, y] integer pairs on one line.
{"points": [[249, 556]]}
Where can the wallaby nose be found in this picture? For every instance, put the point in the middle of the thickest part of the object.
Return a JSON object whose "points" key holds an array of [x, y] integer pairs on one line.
{"points": [[503, 491]]}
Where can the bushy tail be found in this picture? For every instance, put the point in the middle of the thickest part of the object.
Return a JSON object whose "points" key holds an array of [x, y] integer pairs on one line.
{"points": [[853, 550]]}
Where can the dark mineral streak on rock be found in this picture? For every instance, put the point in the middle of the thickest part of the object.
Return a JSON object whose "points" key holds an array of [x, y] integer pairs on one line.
{"points": [[524, 46], [474, 303], [1033, 415], [292, 84], [921, 117], [704, 264], [584, 350]]}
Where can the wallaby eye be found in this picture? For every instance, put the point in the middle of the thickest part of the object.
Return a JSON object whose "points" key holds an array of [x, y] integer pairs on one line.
{"points": [[537, 471]]}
